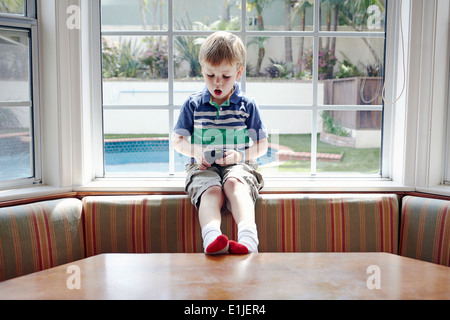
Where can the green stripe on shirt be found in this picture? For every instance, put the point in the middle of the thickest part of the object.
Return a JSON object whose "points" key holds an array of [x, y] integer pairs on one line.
{"points": [[221, 137]]}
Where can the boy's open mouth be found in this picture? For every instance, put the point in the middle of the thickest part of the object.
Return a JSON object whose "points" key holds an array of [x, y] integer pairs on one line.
{"points": [[218, 92]]}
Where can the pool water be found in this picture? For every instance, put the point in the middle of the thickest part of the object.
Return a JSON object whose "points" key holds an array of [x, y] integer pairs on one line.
{"points": [[148, 155]]}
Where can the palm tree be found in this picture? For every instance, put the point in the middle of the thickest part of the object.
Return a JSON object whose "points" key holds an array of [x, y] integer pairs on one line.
{"points": [[288, 6], [299, 8], [259, 5], [354, 13]]}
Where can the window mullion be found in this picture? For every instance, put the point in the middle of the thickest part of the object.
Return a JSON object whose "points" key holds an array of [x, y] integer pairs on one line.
{"points": [[97, 88], [35, 97], [171, 76], [314, 129], [243, 36], [31, 9]]}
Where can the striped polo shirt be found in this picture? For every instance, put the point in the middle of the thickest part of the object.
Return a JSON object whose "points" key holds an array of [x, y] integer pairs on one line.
{"points": [[236, 124]]}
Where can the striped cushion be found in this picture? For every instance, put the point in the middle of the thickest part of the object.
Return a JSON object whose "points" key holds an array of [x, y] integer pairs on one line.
{"points": [[328, 223], [39, 236], [286, 223], [425, 230], [141, 224]]}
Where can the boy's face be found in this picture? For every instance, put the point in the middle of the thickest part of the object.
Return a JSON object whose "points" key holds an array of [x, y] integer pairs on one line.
{"points": [[220, 80]]}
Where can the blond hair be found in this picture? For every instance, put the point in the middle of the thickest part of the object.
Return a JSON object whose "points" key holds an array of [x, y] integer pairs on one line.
{"points": [[222, 47]]}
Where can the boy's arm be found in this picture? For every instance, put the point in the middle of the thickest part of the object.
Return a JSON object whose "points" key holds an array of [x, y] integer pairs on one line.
{"points": [[183, 145]]}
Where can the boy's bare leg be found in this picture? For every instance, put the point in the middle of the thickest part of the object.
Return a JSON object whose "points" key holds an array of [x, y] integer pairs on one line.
{"points": [[242, 206], [243, 211], [210, 219]]}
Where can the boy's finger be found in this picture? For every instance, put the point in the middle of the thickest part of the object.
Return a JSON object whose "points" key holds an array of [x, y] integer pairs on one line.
{"points": [[205, 163], [225, 161]]}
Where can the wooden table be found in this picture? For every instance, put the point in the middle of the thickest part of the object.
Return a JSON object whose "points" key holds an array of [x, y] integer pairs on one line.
{"points": [[265, 276]]}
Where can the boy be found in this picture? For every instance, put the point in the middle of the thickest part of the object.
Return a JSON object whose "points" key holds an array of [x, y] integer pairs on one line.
{"points": [[220, 128]]}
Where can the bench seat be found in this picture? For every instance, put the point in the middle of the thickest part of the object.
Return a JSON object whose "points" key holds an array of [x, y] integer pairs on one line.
{"points": [[286, 223], [41, 235]]}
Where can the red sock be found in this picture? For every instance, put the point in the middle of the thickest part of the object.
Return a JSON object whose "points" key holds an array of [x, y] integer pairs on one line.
{"points": [[237, 248], [218, 246]]}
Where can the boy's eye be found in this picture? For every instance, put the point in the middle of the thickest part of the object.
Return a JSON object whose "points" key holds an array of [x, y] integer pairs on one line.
{"points": [[210, 75], [226, 77]]}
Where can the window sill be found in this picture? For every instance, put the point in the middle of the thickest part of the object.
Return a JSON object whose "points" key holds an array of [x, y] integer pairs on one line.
{"points": [[441, 190], [29, 193], [176, 185]]}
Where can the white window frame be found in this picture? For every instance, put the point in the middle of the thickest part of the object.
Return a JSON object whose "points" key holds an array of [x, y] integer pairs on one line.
{"points": [[315, 108], [426, 98], [28, 22]]}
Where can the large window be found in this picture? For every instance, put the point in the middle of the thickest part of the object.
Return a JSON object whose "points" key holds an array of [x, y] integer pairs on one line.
{"points": [[315, 68], [19, 123]]}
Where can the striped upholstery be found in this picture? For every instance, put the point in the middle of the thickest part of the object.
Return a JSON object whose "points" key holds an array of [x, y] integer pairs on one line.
{"points": [[39, 236], [141, 224], [328, 223], [425, 230], [286, 223]]}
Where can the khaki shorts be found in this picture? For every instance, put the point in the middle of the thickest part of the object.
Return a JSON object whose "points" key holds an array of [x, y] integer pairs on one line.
{"points": [[198, 181]]}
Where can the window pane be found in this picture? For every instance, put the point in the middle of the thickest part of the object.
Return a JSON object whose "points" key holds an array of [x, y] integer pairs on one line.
{"points": [[279, 76], [353, 15], [13, 6], [280, 15], [355, 136], [188, 72], [16, 141], [180, 160], [279, 64], [351, 77], [136, 141], [213, 15], [290, 142], [14, 65], [135, 71], [134, 15]]}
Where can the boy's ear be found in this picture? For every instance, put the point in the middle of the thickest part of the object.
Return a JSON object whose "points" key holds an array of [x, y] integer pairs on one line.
{"points": [[240, 71]]}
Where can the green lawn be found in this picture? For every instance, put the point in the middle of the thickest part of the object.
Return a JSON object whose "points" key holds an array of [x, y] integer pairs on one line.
{"points": [[365, 161]]}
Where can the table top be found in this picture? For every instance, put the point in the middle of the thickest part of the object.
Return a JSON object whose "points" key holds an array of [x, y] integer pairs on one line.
{"points": [[262, 276]]}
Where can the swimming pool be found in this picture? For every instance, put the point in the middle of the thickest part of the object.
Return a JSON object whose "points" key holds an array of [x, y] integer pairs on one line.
{"points": [[149, 155]]}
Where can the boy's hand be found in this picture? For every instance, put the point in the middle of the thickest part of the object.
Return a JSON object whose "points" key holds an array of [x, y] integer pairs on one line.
{"points": [[231, 157], [201, 161]]}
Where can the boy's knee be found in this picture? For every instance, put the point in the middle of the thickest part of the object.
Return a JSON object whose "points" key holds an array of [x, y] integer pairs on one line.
{"points": [[214, 191], [232, 185], [213, 196]]}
